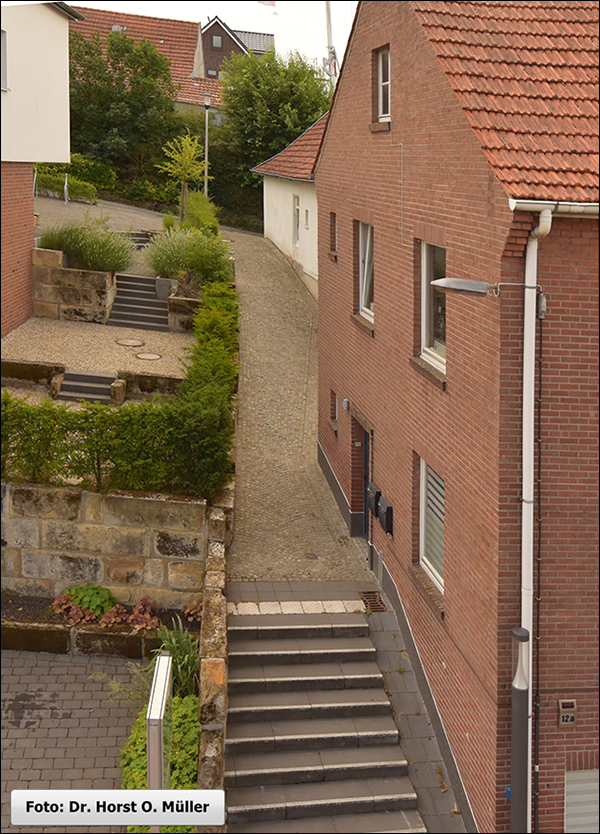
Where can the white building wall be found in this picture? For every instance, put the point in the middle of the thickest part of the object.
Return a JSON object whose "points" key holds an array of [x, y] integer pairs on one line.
{"points": [[279, 222], [35, 101]]}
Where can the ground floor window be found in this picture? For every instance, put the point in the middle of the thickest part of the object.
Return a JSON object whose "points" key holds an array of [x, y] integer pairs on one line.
{"points": [[431, 524], [581, 801]]}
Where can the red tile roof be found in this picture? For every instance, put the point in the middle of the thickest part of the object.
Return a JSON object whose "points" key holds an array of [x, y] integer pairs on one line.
{"points": [[297, 161], [526, 75], [176, 39]]}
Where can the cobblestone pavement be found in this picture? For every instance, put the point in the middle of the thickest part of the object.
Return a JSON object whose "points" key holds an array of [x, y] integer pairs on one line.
{"points": [[287, 524], [59, 728]]}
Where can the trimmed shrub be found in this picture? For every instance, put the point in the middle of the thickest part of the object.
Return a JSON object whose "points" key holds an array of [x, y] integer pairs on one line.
{"points": [[34, 439], [91, 245], [54, 183], [190, 252], [201, 214]]}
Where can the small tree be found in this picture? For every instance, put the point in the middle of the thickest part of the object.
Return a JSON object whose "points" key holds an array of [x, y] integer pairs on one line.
{"points": [[185, 164]]}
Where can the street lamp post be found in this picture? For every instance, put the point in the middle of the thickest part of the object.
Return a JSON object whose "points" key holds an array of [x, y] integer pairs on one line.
{"points": [[206, 106]]}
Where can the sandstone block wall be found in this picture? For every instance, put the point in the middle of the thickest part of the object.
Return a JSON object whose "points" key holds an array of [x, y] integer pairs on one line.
{"points": [[70, 294], [136, 544]]}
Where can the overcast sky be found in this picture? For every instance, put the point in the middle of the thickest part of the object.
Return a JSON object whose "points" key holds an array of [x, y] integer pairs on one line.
{"points": [[296, 25]]}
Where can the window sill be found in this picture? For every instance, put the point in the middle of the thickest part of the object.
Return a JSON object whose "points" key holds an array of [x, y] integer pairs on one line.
{"points": [[333, 425], [380, 127], [332, 256], [428, 591], [426, 369], [363, 324]]}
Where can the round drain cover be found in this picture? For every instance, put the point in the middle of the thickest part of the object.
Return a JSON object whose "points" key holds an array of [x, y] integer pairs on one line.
{"points": [[130, 342], [148, 356]]}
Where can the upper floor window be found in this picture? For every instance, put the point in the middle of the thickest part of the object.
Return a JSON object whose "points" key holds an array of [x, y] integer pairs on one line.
{"points": [[383, 85], [296, 220], [365, 271], [433, 306], [431, 527], [217, 41]]}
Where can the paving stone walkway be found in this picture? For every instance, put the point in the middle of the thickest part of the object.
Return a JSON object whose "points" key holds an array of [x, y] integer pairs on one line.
{"points": [[60, 730]]}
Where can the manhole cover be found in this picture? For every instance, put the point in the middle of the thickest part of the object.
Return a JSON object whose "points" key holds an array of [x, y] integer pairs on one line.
{"points": [[310, 555], [372, 601], [148, 356], [130, 342]]}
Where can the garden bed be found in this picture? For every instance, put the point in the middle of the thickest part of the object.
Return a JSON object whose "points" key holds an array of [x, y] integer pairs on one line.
{"points": [[30, 624]]}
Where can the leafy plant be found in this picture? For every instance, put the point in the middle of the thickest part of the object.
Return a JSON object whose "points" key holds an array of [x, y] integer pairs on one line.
{"points": [[201, 213], [141, 618], [92, 597], [193, 612], [184, 754], [206, 257], [185, 653], [51, 182], [34, 439], [91, 245], [184, 164], [118, 615], [74, 614]]}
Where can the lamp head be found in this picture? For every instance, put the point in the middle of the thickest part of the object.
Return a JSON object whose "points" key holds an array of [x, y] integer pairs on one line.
{"points": [[463, 286]]}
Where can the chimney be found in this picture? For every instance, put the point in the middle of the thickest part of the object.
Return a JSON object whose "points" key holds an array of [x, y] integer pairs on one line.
{"points": [[198, 70]]}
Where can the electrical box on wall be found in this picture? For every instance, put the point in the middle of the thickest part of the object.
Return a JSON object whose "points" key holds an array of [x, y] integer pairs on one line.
{"points": [[567, 713], [386, 516], [373, 496]]}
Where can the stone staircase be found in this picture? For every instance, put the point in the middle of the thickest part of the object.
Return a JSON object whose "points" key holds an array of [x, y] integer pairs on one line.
{"points": [[78, 385], [311, 742], [137, 306]]}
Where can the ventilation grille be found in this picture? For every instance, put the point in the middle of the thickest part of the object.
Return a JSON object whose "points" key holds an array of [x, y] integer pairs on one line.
{"points": [[372, 601]]}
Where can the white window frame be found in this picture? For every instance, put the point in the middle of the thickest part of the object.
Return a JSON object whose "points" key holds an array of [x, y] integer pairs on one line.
{"points": [[217, 41], [296, 221], [432, 487], [436, 356], [4, 60], [365, 271], [383, 85], [306, 218]]}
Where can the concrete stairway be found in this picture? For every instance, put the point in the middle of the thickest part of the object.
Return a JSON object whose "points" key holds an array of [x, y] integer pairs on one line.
{"points": [[78, 385], [137, 306], [311, 743]]}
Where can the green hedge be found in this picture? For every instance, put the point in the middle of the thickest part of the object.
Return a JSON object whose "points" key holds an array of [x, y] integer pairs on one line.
{"points": [[191, 252], [184, 755], [54, 183], [182, 445]]}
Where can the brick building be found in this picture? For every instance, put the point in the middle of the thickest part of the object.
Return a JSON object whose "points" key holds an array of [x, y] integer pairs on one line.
{"points": [[35, 128], [459, 432]]}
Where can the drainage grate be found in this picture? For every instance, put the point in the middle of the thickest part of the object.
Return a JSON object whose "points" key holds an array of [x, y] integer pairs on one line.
{"points": [[372, 600]]}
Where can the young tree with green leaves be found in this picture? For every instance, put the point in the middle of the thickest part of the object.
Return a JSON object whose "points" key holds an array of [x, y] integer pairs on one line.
{"points": [[122, 100], [185, 164]]}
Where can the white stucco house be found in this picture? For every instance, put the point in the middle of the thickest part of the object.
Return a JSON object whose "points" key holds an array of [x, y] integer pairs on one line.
{"points": [[290, 202], [35, 128]]}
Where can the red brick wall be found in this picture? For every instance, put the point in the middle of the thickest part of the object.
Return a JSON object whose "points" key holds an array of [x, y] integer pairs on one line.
{"points": [[214, 57], [17, 242], [428, 179]]}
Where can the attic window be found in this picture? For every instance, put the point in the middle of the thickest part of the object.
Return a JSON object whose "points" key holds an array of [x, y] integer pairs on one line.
{"points": [[217, 41], [116, 28]]}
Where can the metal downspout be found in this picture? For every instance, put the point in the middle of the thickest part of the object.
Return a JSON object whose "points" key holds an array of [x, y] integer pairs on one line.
{"points": [[528, 463]]}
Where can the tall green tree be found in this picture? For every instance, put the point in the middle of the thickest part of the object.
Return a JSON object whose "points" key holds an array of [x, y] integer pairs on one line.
{"points": [[267, 103], [184, 164], [122, 100]]}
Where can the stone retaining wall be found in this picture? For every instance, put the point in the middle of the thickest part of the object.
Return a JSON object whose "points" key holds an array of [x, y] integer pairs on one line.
{"points": [[135, 544], [70, 294]]}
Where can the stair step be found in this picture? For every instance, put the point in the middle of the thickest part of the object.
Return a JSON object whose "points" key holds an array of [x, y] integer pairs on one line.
{"points": [[280, 678], [130, 278], [354, 796], [91, 398], [245, 770], [268, 626], [385, 822], [278, 706], [122, 301], [138, 325], [135, 291], [265, 736], [88, 377], [299, 650], [77, 387]]}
